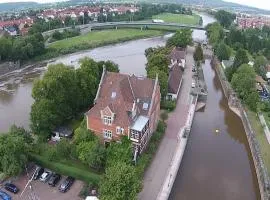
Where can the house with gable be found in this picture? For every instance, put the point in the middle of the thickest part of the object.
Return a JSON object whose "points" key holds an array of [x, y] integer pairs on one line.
{"points": [[125, 105], [177, 65], [178, 56]]}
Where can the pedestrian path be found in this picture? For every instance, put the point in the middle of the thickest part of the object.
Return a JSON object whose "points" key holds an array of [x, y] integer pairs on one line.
{"points": [[157, 171]]}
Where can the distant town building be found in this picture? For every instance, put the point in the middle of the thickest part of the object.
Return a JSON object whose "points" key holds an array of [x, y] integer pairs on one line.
{"points": [[125, 105]]}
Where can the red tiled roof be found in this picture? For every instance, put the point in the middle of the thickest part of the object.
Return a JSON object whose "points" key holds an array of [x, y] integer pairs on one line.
{"points": [[120, 92], [175, 78], [178, 53]]}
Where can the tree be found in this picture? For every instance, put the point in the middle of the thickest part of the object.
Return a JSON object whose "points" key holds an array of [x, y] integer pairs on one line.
{"points": [[82, 134], [158, 61], [163, 80], [223, 51], [243, 82], [259, 65], [241, 57], [63, 148], [44, 117], [198, 54], [87, 76], [14, 149], [92, 153], [225, 18], [119, 152], [109, 65], [182, 38], [120, 182], [214, 32], [5, 48]]}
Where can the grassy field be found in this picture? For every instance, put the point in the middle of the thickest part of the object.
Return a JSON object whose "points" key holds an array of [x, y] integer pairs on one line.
{"points": [[178, 18], [98, 38], [264, 146]]}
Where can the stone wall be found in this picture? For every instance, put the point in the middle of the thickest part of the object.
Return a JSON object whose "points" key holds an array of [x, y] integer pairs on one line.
{"points": [[234, 102]]}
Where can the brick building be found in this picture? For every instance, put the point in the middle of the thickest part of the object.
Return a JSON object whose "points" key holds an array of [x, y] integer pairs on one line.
{"points": [[125, 105]]}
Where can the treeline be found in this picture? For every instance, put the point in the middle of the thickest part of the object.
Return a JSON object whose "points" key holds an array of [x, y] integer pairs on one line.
{"points": [[63, 92], [65, 34], [241, 45], [21, 48]]}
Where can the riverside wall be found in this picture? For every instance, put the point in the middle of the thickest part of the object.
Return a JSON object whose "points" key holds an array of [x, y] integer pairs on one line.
{"points": [[236, 106], [182, 139]]}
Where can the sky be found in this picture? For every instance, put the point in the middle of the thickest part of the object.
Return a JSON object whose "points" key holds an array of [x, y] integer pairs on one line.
{"points": [[264, 4]]}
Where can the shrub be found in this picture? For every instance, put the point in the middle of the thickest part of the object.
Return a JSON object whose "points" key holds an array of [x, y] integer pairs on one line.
{"points": [[164, 116], [168, 105], [51, 153]]}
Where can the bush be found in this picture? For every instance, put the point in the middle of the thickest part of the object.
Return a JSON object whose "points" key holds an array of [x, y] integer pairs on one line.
{"points": [[168, 105], [164, 116], [51, 153]]}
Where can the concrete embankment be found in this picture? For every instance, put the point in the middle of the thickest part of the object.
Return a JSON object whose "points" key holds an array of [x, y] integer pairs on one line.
{"points": [[182, 139], [236, 106]]}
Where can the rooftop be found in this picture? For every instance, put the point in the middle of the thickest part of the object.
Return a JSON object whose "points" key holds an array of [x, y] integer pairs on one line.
{"points": [[140, 123]]}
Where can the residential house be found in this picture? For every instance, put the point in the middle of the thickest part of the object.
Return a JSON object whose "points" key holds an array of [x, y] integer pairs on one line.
{"points": [[125, 105], [178, 56], [174, 82]]}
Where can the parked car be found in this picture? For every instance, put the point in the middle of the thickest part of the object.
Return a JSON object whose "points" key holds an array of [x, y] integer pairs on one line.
{"points": [[11, 187], [55, 178], [45, 176], [38, 172], [193, 84], [66, 184], [4, 196]]}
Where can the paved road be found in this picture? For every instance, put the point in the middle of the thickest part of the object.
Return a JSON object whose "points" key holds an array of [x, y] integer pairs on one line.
{"points": [[155, 175]]}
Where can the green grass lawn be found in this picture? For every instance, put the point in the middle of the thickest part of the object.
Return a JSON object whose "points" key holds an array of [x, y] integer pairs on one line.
{"points": [[178, 18], [264, 146], [98, 38], [68, 168]]}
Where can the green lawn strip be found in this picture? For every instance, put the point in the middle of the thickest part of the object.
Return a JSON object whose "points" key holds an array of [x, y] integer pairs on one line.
{"points": [[68, 168], [267, 118], [260, 136], [178, 18], [96, 38]]}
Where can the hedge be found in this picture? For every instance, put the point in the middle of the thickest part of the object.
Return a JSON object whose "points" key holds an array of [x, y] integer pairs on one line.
{"points": [[68, 169]]}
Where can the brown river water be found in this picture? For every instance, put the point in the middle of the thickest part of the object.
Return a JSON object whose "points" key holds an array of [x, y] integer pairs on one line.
{"points": [[215, 166]]}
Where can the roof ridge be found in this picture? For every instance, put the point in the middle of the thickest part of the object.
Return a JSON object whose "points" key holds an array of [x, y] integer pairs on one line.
{"points": [[131, 89]]}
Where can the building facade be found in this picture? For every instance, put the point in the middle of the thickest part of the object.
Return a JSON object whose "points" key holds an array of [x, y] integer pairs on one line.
{"points": [[125, 105]]}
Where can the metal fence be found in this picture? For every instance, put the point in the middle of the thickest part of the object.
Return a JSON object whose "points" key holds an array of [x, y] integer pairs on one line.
{"points": [[233, 101]]}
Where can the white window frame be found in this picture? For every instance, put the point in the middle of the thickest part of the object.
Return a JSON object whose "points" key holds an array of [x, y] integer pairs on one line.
{"points": [[119, 130], [107, 134], [107, 120], [134, 135]]}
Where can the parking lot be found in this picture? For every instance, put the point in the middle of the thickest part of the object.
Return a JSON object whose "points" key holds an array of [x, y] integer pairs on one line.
{"points": [[42, 191]]}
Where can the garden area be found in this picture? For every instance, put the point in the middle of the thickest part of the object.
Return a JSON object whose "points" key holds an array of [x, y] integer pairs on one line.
{"points": [[179, 18]]}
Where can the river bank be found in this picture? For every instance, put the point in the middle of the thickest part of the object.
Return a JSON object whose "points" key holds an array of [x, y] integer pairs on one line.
{"points": [[236, 106], [78, 44]]}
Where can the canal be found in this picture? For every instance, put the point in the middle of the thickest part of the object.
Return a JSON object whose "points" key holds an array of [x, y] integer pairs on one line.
{"points": [[216, 165]]}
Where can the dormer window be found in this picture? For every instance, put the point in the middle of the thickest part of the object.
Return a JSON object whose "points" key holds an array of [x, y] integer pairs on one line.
{"points": [[107, 120]]}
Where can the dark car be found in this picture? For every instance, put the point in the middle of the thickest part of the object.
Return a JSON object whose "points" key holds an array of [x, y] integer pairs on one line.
{"points": [[55, 178], [66, 184], [4, 196], [11, 187], [38, 172]]}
